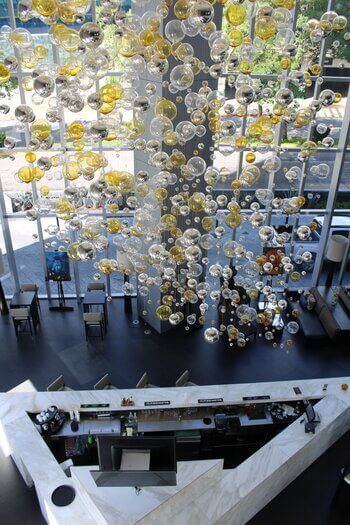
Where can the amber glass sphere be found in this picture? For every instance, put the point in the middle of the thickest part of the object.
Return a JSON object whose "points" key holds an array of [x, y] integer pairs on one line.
{"points": [[236, 14]]}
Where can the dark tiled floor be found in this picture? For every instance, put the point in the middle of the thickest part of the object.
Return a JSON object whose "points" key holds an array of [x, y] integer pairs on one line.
{"points": [[18, 504], [307, 501], [128, 351]]}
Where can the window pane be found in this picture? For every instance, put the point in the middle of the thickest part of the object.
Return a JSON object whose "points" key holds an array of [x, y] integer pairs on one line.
{"points": [[6, 278], [27, 251], [56, 238]]}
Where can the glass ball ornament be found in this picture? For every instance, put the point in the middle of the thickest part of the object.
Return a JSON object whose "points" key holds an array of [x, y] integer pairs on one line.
{"points": [[269, 336], [245, 94], [265, 27], [44, 85], [292, 327], [211, 335], [86, 251], [163, 312], [91, 34], [236, 14], [182, 77], [174, 31]]}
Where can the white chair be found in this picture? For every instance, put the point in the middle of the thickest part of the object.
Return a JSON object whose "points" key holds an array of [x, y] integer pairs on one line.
{"points": [[144, 383], [19, 316], [58, 385], [31, 288], [105, 384], [94, 319], [184, 380]]}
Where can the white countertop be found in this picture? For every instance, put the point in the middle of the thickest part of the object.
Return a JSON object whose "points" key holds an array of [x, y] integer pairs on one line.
{"points": [[122, 506], [13, 404], [242, 491]]}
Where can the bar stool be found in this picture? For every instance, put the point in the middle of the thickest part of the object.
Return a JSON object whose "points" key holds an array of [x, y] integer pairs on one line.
{"points": [[19, 316], [31, 288], [105, 384], [58, 385], [93, 319], [96, 286], [144, 383], [184, 380]]}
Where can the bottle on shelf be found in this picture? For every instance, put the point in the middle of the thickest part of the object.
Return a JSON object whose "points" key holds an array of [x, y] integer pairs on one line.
{"points": [[131, 424]]}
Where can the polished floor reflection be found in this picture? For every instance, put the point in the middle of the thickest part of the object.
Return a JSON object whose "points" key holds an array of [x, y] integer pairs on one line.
{"points": [[131, 347]]}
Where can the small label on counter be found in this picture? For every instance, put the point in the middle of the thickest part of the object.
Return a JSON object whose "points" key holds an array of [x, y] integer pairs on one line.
{"points": [[95, 405], [155, 403], [255, 398], [212, 400]]}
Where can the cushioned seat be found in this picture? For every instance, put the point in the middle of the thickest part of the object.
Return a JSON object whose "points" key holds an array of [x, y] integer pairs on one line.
{"points": [[328, 317], [58, 385], [21, 315], [183, 380], [144, 383], [334, 315], [320, 302], [310, 324], [94, 319], [105, 384], [329, 323]]}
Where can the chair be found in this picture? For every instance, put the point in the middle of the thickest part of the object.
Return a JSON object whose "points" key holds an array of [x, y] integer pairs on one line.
{"points": [[31, 288], [25, 386], [21, 315], [96, 286], [105, 384], [58, 385], [93, 319], [144, 383], [183, 380]]}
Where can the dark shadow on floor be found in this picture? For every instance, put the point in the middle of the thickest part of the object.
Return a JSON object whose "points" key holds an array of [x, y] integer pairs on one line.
{"points": [[307, 500]]}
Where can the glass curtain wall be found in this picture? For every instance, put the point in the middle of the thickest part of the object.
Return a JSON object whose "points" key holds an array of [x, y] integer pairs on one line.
{"points": [[324, 179], [24, 242]]}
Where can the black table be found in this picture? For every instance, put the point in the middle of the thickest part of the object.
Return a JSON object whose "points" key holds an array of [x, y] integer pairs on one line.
{"points": [[25, 300], [96, 298]]}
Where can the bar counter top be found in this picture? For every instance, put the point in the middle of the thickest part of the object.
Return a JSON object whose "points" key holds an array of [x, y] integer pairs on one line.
{"points": [[237, 494]]}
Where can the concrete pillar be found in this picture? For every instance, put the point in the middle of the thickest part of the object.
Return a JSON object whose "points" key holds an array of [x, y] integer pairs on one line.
{"points": [[201, 51]]}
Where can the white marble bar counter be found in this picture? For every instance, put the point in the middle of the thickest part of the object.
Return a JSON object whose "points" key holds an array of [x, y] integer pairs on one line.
{"points": [[245, 490], [122, 506], [18, 402], [235, 496]]}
